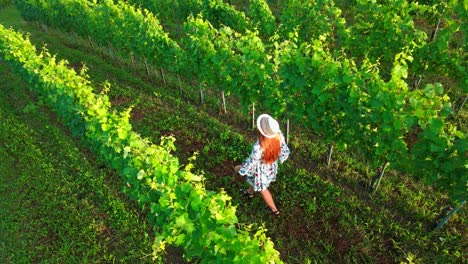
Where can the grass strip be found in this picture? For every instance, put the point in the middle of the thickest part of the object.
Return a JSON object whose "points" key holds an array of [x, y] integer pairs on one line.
{"points": [[57, 202]]}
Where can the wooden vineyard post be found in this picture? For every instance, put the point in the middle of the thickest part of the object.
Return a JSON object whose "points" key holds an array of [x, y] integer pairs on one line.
{"points": [[201, 94], [133, 62], [434, 33], [180, 84], [110, 51], [449, 215], [418, 78], [464, 98], [162, 75], [416, 81], [329, 154], [223, 102], [253, 115], [147, 68], [376, 180]]}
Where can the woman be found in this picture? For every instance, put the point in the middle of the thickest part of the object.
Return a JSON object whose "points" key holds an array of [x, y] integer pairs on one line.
{"points": [[262, 165]]}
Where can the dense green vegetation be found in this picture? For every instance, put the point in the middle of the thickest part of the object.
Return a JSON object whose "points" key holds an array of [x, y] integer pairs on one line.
{"points": [[327, 215], [344, 98]]}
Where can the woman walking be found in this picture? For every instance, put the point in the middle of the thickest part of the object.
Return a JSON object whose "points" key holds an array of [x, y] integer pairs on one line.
{"points": [[262, 165]]}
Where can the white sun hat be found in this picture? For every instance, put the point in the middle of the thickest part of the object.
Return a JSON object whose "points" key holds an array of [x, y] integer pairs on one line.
{"points": [[268, 126]]}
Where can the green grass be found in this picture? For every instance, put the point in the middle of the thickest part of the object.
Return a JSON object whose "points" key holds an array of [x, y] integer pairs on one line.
{"points": [[57, 202], [327, 215]]}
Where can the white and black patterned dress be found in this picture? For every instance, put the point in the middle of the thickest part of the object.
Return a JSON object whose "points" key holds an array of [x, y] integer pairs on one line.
{"points": [[259, 174]]}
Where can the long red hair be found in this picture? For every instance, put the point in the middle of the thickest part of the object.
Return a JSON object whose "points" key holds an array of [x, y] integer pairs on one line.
{"points": [[271, 148]]}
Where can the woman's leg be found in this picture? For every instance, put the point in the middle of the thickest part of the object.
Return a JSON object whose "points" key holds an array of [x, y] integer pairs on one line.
{"points": [[250, 190], [268, 198]]}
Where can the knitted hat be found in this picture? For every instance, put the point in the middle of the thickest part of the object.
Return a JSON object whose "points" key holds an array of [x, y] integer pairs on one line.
{"points": [[268, 126]]}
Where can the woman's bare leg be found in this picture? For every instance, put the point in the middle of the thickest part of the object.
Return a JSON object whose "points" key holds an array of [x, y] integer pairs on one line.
{"points": [[268, 198], [250, 190]]}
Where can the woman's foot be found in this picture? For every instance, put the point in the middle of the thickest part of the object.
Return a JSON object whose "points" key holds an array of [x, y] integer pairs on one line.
{"points": [[247, 193], [274, 212]]}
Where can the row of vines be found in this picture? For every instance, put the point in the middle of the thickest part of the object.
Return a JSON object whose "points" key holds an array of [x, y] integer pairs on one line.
{"points": [[258, 15]]}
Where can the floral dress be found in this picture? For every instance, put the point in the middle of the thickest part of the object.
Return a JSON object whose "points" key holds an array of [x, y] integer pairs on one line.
{"points": [[259, 174]]}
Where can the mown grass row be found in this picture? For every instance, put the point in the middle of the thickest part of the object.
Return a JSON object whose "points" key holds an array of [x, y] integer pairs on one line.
{"points": [[57, 202], [326, 216]]}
